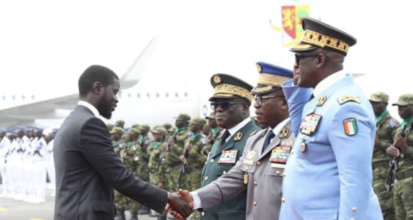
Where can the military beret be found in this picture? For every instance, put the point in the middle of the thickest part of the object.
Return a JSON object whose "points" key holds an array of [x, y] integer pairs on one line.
{"points": [[159, 130], [406, 99], [320, 35], [198, 121], [116, 130], [227, 86], [271, 77], [183, 117], [379, 97]]}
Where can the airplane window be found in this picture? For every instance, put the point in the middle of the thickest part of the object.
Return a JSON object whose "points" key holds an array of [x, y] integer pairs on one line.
{"points": [[157, 95], [166, 95], [148, 94], [186, 94], [138, 95], [176, 94], [13, 97]]}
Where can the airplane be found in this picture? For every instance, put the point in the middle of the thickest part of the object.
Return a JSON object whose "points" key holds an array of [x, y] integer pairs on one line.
{"points": [[154, 92]]}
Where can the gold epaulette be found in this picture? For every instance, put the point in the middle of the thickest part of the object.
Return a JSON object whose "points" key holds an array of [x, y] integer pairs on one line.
{"points": [[345, 99]]}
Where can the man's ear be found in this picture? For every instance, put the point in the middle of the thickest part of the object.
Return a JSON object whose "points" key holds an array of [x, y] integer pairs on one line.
{"points": [[321, 60], [97, 88]]}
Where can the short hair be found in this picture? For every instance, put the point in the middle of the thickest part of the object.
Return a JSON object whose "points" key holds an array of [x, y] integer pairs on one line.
{"points": [[95, 73]]}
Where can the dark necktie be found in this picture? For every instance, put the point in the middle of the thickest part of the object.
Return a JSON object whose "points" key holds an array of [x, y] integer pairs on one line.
{"points": [[224, 138], [268, 138]]}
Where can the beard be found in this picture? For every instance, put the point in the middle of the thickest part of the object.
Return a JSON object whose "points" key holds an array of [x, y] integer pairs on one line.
{"points": [[105, 109]]}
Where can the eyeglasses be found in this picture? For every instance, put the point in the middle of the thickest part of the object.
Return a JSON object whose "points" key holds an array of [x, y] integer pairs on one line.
{"points": [[224, 105], [301, 56], [259, 99]]}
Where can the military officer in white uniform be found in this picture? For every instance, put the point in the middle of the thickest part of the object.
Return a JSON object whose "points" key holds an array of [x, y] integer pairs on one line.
{"points": [[261, 167], [329, 176]]}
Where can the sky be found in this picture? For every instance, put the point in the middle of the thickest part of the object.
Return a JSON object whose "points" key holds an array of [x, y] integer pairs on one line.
{"points": [[46, 44]]}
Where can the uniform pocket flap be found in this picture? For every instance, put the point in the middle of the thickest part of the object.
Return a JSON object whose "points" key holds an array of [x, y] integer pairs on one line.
{"points": [[324, 214]]}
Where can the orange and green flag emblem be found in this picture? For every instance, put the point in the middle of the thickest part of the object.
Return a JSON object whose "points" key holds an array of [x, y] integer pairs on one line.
{"points": [[291, 19], [350, 126]]}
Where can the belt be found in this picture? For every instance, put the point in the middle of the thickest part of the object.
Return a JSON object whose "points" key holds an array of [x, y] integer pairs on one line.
{"points": [[404, 175], [378, 164]]}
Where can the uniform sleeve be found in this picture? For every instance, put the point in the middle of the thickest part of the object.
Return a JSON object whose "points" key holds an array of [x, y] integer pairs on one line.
{"points": [[353, 153], [296, 97], [97, 149]]}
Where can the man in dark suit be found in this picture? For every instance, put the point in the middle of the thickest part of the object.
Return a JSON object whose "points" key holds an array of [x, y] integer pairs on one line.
{"points": [[87, 168]]}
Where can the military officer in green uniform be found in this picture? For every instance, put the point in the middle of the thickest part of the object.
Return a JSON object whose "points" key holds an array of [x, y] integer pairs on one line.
{"points": [[120, 200], [175, 148], [402, 150], [131, 155], [231, 102], [386, 126], [157, 176]]}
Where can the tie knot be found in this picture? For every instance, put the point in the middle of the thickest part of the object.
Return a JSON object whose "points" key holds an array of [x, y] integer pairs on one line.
{"points": [[270, 135]]}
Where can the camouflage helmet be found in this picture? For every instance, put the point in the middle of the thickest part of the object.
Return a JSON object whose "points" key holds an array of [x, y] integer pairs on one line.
{"points": [[159, 130]]}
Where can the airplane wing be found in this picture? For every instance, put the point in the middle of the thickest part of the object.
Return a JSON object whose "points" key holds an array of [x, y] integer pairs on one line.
{"points": [[59, 108]]}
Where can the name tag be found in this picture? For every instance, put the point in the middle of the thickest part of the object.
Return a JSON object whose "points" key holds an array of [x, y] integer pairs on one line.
{"points": [[228, 157], [248, 162]]}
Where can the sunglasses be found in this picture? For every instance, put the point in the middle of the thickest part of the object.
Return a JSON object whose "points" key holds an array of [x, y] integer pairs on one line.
{"points": [[224, 105], [298, 57], [260, 99]]}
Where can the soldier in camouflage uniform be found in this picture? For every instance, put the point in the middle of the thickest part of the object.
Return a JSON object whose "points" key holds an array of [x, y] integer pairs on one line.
{"points": [[215, 132], [131, 156], [120, 124], [168, 127], [157, 176], [143, 171], [120, 200], [402, 149], [109, 126], [175, 148], [386, 126]]}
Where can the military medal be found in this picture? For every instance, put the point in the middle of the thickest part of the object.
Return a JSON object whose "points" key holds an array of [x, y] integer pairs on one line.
{"points": [[246, 179], [310, 123], [280, 154], [303, 147], [228, 157]]}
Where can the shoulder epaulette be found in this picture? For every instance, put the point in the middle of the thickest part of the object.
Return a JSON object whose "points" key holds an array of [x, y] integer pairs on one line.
{"points": [[345, 99]]}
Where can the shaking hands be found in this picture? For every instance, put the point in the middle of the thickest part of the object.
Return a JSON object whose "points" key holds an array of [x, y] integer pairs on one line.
{"points": [[180, 204]]}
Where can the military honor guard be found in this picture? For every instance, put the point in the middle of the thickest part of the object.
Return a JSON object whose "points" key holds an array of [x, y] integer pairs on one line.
{"points": [[402, 152], [386, 125], [329, 174]]}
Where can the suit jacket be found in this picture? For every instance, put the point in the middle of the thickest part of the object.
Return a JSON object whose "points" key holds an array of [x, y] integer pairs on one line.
{"points": [[216, 166], [87, 170], [329, 175], [264, 177]]}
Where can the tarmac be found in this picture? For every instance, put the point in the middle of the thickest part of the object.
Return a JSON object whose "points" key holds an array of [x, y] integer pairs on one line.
{"points": [[12, 209]]}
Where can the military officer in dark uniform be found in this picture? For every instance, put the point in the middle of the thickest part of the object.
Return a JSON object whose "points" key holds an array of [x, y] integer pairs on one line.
{"points": [[230, 102], [386, 126], [261, 167]]}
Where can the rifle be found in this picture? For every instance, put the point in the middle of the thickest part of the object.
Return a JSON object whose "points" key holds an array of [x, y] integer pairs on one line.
{"points": [[394, 167]]}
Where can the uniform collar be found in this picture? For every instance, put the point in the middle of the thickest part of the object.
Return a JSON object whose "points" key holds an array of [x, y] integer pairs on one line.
{"points": [[90, 107], [237, 127], [328, 81]]}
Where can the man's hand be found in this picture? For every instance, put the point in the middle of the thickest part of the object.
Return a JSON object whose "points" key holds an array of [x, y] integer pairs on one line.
{"points": [[179, 206], [393, 151], [182, 159], [401, 142], [185, 195]]}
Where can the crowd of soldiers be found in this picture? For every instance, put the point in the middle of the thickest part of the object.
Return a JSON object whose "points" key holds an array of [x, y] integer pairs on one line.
{"points": [[26, 163], [172, 157]]}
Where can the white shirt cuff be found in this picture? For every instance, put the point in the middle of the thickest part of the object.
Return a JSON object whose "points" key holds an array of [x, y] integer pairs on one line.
{"points": [[197, 200]]}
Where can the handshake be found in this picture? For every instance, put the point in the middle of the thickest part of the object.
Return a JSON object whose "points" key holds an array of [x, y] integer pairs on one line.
{"points": [[180, 204]]}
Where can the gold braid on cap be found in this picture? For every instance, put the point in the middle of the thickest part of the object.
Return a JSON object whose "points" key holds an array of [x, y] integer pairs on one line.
{"points": [[232, 90], [262, 89], [272, 80], [322, 40]]}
